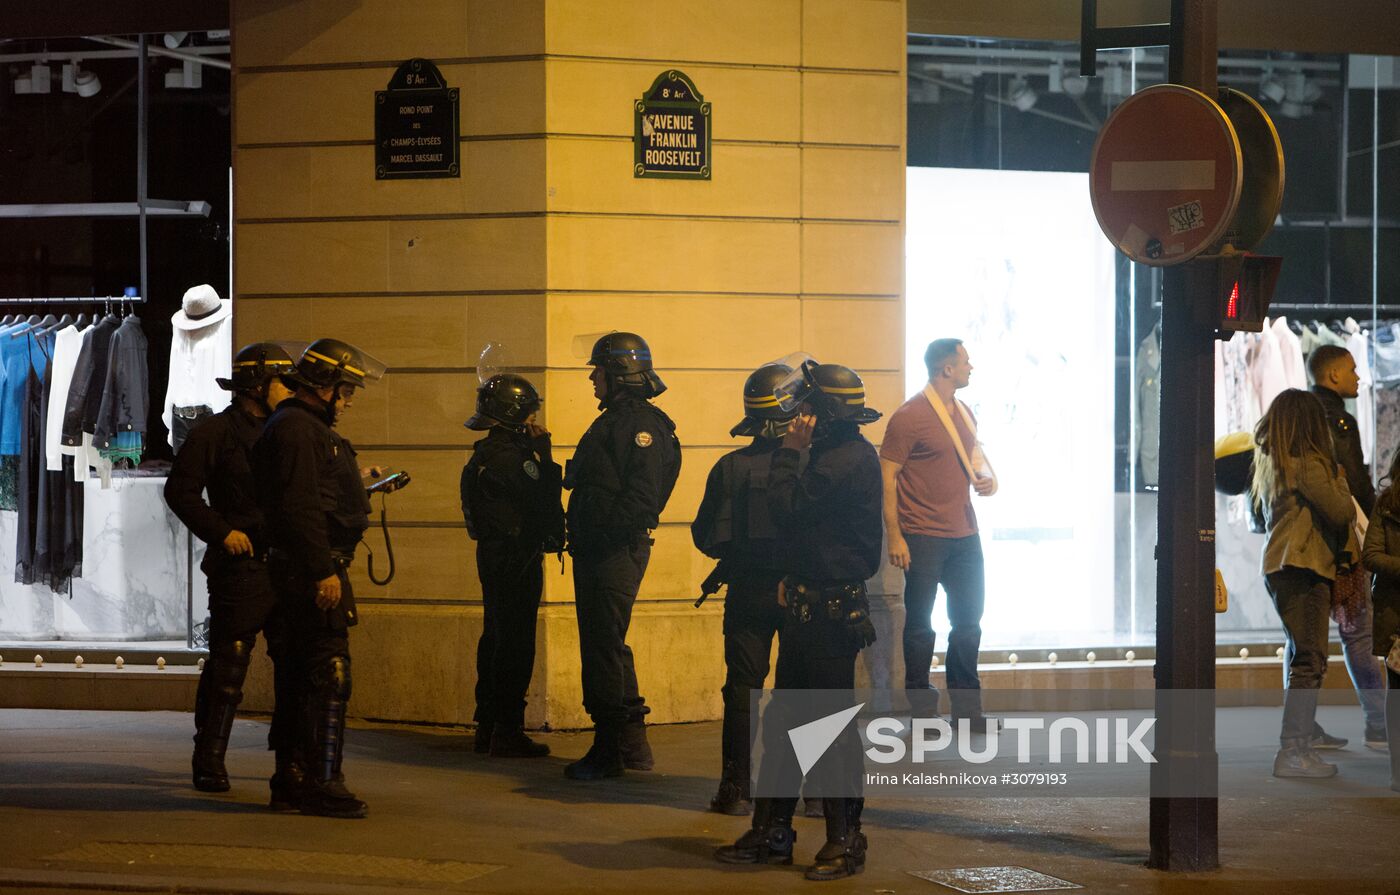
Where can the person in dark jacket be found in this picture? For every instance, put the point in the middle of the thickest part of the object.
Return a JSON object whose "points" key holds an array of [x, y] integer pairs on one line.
{"points": [[735, 526], [1333, 371], [314, 500], [218, 459], [830, 517], [621, 476], [1381, 556], [510, 501]]}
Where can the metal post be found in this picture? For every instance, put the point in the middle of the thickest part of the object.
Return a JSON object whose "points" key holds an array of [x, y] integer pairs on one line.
{"points": [[1184, 831], [141, 191]]}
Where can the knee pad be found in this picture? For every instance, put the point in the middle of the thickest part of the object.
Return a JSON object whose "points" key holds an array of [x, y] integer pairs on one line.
{"points": [[332, 677], [228, 665]]}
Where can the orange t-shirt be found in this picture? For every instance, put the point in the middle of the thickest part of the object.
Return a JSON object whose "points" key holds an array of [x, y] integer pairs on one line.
{"points": [[935, 496]]}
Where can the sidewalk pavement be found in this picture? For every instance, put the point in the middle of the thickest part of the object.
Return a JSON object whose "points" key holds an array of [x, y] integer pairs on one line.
{"points": [[101, 801]]}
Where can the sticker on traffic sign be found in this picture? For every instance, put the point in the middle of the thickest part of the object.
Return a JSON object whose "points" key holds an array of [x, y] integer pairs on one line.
{"points": [[1166, 174]]}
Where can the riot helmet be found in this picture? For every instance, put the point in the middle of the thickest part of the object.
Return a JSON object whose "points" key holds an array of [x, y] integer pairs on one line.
{"points": [[763, 412], [331, 362], [257, 363], [626, 360], [505, 399], [838, 394]]}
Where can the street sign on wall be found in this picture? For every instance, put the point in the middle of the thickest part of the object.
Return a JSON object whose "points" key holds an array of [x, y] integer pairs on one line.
{"points": [[671, 134], [416, 124], [1166, 174]]}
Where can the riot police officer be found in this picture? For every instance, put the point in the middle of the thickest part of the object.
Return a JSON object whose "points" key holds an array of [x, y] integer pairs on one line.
{"points": [[510, 500], [317, 510], [217, 457], [829, 514], [735, 526], [620, 476]]}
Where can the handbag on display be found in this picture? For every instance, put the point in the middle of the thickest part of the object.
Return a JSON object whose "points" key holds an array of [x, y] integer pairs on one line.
{"points": [[976, 466]]}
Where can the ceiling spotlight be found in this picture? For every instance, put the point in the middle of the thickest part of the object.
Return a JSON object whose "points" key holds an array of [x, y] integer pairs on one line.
{"points": [[190, 76], [40, 78], [1021, 94], [1076, 86], [1272, 87], [86, 83], [173, 39]]}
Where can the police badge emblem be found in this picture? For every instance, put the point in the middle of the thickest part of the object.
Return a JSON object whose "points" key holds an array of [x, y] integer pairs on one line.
{"points": [[532, 470], [643, 439]]}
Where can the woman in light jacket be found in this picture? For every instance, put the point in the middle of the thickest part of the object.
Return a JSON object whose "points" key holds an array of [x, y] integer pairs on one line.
{"points": [[1301, 496], [1382, 556]]}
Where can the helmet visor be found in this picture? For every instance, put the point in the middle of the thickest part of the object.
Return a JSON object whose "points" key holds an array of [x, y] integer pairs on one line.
{"points": [[582, 345], [494, 360], [797, 385]]}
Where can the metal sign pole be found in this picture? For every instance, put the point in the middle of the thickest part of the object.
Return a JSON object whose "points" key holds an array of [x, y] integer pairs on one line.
{"points": [[1184, 832]]}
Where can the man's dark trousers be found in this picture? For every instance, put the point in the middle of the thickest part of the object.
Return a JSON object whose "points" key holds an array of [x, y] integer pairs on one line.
{"points": [[512, 579], [606, 582], [242, 604], [752, 617], [957, 564]]}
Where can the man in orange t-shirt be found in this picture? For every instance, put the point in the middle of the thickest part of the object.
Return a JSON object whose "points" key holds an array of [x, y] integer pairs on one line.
{"points": [[932, 528]]}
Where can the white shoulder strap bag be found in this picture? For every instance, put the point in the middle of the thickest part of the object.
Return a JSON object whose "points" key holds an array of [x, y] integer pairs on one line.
{"points": [[976, 466]]}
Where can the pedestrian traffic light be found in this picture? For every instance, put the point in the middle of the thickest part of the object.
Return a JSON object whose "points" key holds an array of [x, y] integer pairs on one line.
{"points": [[1244, 285]]}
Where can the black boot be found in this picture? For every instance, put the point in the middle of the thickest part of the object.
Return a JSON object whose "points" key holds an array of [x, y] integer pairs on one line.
{"points": [[768, 841], [1298, 758], [288, 782], [482, 741], [843, 854], [216, 703], [325, 794], [604, 757], [636, 751], [732, 798], [511, 742], [210, 745]]}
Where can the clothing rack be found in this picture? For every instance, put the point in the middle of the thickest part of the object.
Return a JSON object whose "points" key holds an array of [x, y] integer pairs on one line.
{"points": [[1321, 309], [75, 300]]}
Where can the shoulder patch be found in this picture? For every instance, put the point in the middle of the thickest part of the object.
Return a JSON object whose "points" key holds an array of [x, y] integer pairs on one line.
{"points": [[532, 470], [643, 439]]}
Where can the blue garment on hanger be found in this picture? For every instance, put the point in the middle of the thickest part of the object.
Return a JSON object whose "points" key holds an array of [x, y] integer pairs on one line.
{"points": [[14, 370]]}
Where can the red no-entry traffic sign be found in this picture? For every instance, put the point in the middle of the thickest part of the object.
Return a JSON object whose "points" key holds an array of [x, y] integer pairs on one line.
{"points": [[1165, 175]]}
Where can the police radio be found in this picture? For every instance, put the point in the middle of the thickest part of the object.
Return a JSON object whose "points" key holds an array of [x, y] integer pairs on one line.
{"points": [[387, 485]]}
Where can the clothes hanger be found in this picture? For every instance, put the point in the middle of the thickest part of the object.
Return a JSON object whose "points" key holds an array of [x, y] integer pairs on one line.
{"points": [[1296, 327], [65, 320], [82, 321]]}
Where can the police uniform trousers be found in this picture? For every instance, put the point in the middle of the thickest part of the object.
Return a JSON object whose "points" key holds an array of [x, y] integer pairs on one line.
{"points": [[242, 603], [512, 579], [816, 654], [752, 617], [606, 582], [317, 648]]}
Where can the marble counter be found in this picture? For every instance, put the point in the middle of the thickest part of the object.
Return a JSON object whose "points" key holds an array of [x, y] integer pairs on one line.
{"points": [[135, 575]]}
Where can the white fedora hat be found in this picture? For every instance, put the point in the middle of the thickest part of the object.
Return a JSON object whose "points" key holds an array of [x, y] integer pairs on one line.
{"points": [[201, 307]]}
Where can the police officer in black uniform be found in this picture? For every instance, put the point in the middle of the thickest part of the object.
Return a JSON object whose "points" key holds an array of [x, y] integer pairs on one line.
{"points": [[510, 499], [735, 526], [217, 456], [314, 500], [829, 514], [620, 476]]}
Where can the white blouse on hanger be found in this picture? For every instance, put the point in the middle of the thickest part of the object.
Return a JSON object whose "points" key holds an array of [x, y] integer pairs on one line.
{"points": [[197, 358]]}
